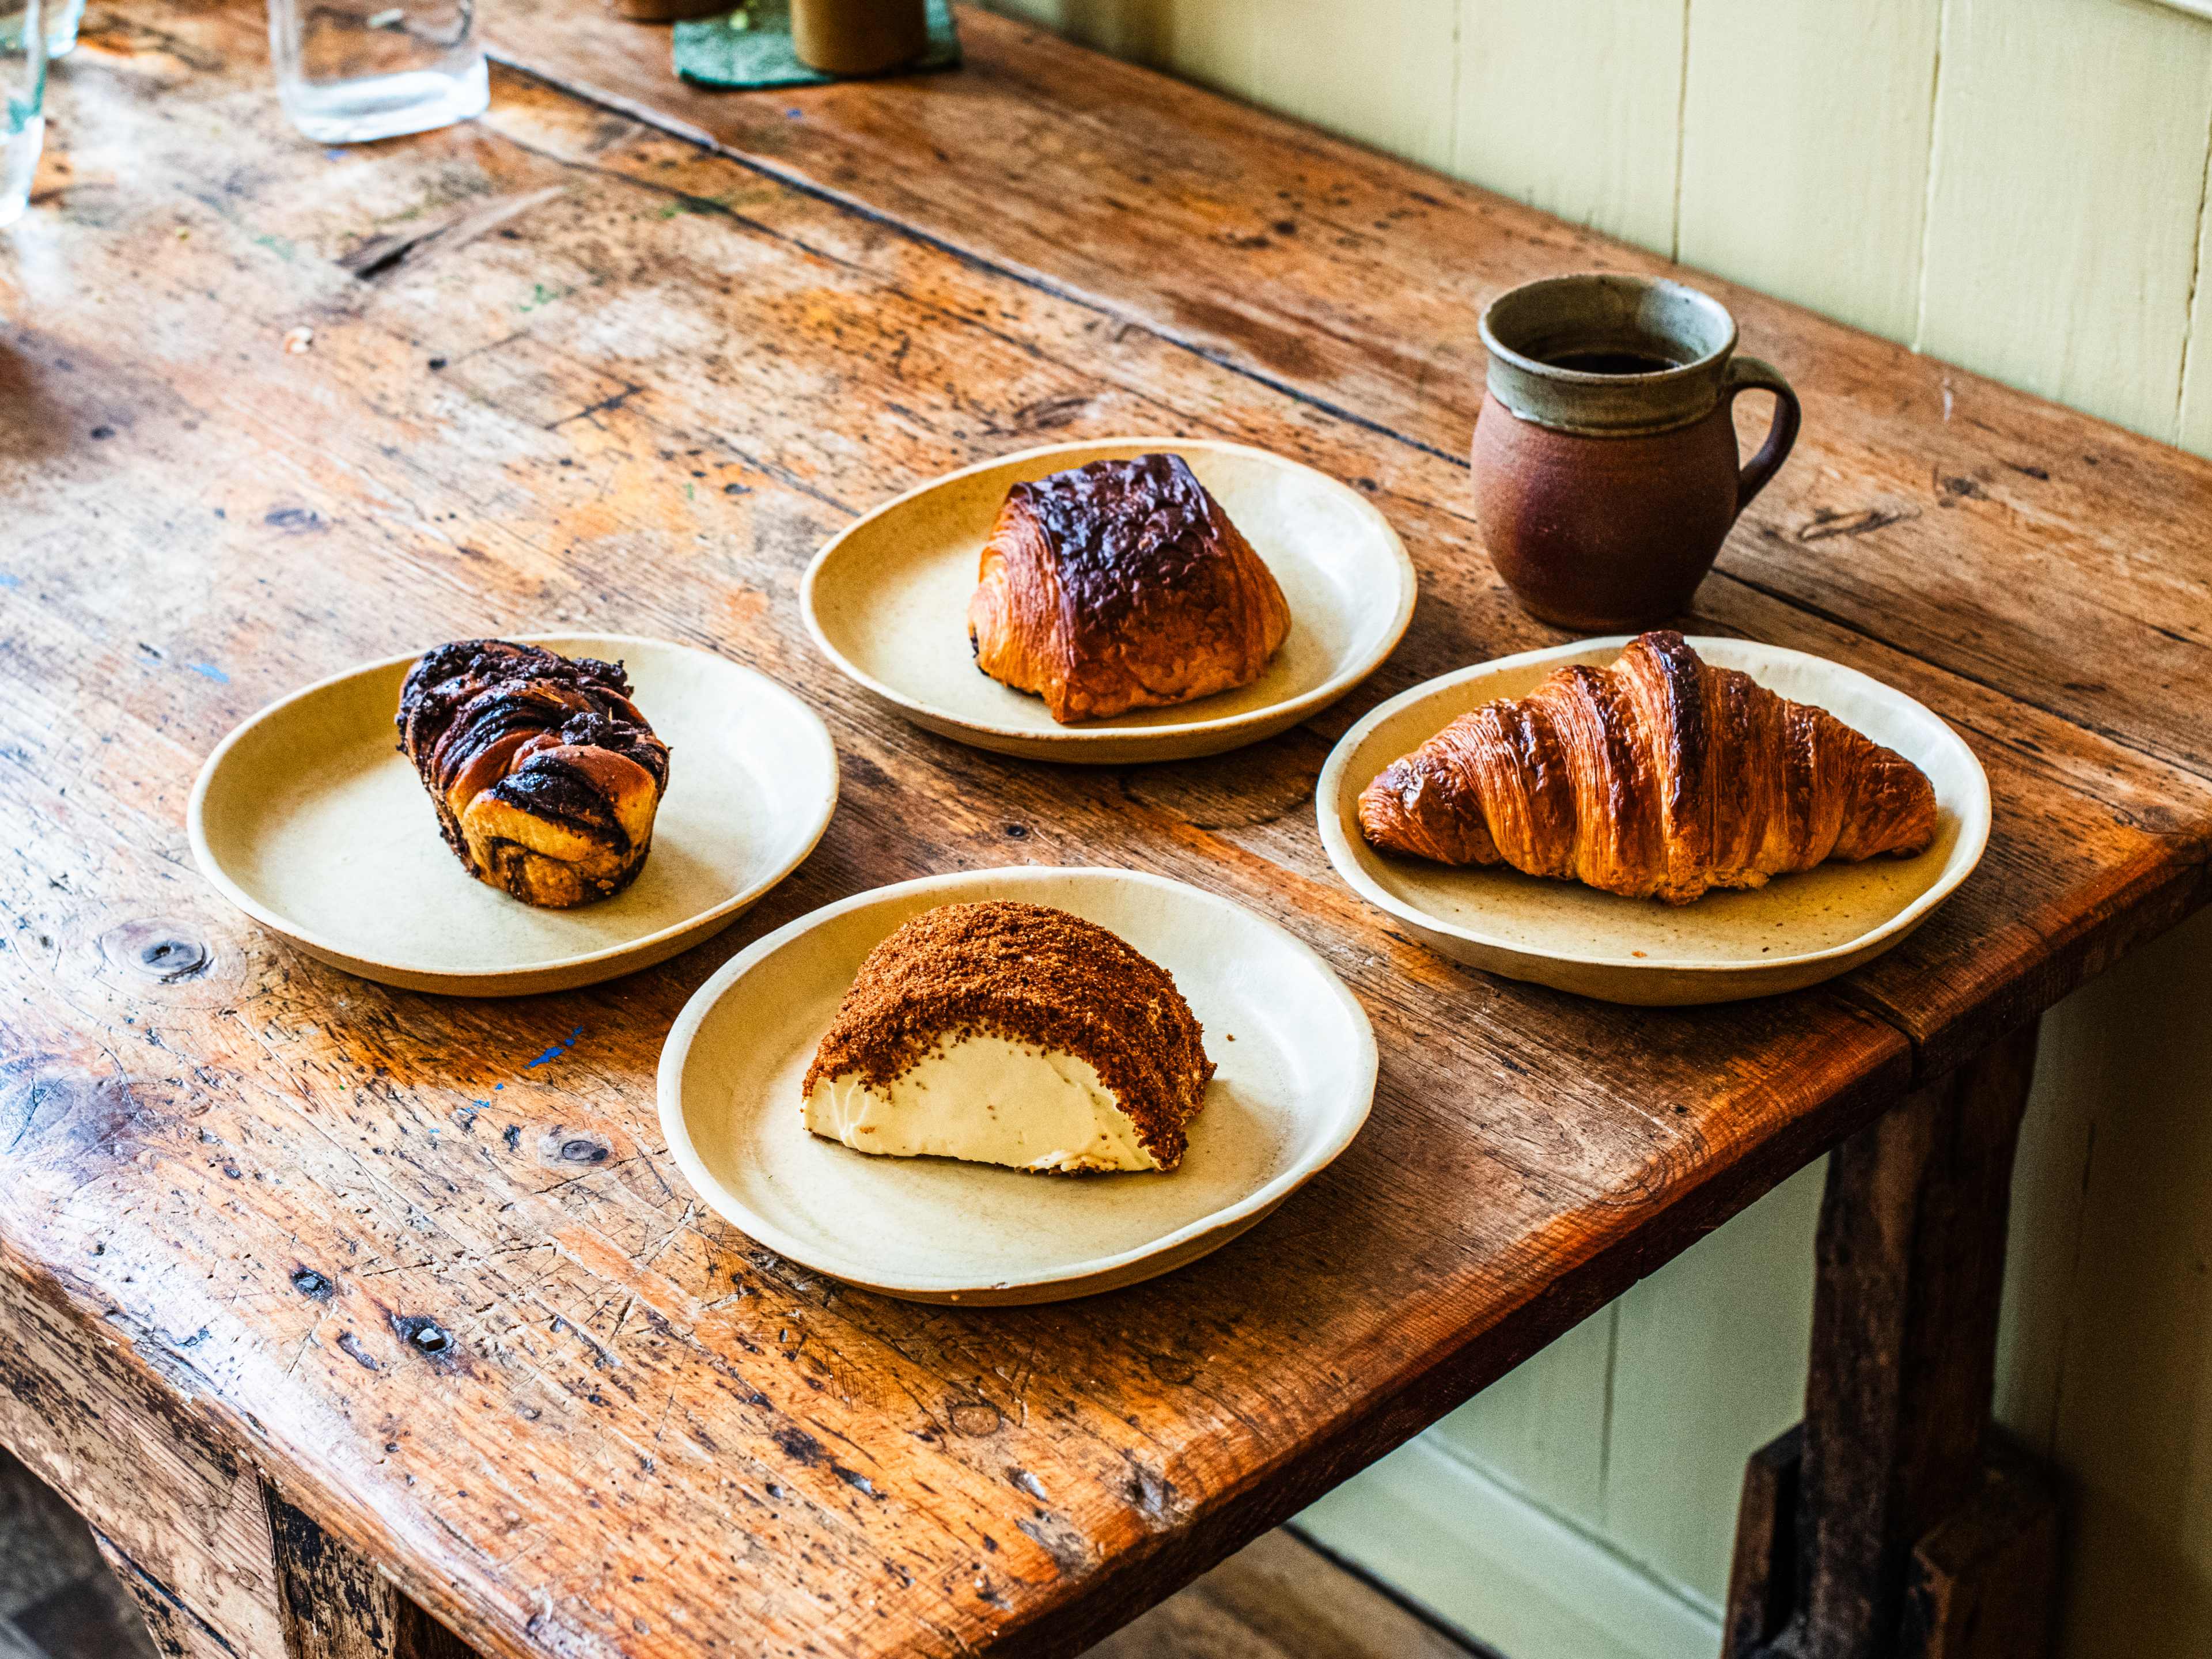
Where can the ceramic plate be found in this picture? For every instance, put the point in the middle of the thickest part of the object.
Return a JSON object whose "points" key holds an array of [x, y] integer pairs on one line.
{"points": [[1296, 1074], [887, 602], [309, 819], [1794, 931]]}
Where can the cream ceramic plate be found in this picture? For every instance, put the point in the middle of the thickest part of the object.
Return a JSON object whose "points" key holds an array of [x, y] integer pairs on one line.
{"points": [[887, 601], [1296, 1074], [1794, 931], [309, 819]]}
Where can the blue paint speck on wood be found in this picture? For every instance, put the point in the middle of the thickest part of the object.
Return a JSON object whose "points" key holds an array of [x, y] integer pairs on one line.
{"points": [[558, 1048], [210, 670], [7, 581]]}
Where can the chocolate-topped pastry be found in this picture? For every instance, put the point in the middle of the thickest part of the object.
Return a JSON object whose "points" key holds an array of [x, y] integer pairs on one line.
{"points": [[1122, 585], [546, 776], [1013, 1033]]}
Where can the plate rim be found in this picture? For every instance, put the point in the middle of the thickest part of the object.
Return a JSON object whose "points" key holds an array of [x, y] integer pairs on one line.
{"points": [[676, 1049], [1290, 709], [1343, 857], [212, 868]]}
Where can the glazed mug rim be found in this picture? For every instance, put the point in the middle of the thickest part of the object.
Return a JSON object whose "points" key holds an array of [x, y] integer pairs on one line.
{"points": [[1585, 401]]}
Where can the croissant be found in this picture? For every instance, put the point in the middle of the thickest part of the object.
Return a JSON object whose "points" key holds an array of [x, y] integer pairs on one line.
{"points": [[1122, 585], [546, 776], [1660, 776]]}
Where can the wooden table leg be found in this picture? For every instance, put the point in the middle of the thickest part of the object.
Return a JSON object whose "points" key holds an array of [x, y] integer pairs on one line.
{"points": [[221, 1566], [1892, 1483]]}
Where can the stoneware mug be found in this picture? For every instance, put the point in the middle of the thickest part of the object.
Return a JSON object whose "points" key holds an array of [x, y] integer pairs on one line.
{"points": [[1606, 471]]}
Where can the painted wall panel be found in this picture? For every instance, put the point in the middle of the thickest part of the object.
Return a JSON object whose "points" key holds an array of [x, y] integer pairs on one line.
{"points": [[1506, 1570], [1573, 105], [1805, 146], [1710, 1367], [2193, 430], [2129, 1406], [1379, 73], [1542, 1427], [2069, 173]]}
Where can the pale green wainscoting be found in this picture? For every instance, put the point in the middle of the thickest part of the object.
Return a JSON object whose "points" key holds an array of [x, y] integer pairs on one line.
{"points": [[2017, 186]]}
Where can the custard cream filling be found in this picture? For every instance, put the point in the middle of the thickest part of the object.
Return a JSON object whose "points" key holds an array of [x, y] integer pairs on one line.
{"points": [[986, 1100]]}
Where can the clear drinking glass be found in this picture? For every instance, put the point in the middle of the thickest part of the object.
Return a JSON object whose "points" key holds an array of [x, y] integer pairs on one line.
{"points": [[63, 17], [349, 70], [23, 103]]}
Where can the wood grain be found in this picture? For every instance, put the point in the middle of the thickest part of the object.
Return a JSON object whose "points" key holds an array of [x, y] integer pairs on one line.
{"points": [[2123, 822], [574, 339], [1904, 1336], [566, 368], [1280, 1598], [1912, 481]]}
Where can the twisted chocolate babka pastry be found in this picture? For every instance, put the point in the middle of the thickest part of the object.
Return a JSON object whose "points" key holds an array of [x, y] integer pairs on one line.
{"points": [[1122, 585], [1661, 775], [546, 776]]}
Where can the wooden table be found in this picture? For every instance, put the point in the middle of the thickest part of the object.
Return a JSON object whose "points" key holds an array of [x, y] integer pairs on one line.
{"points": [[307, 1302]]}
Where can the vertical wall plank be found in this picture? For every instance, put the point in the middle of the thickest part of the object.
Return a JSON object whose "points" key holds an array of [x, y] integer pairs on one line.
{"points": [[1381, 73], [1542, 1426], [1805, 146], [1710, 1365], [2194, 431], [1572, 106], [2063, 218], [2132, 1426]]}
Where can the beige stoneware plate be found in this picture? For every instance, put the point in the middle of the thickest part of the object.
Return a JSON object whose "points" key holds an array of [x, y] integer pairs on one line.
{"points": [[309, 819], [1296, 1075], [1797, 930], [887, 602]]}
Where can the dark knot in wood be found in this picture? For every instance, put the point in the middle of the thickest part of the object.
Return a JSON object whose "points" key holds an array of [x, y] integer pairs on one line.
{"points": [[423, 1335], [162, 950]]}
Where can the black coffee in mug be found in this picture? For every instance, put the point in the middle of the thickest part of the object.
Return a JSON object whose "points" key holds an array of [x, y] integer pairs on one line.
{"points": [[1610, 362]]}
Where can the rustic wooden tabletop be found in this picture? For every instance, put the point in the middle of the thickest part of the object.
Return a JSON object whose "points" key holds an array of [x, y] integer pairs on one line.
{"points": [[622, 354]]}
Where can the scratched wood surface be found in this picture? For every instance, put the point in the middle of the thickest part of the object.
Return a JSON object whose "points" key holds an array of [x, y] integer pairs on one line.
{"points": [[426, 1264], [2000, 557]]}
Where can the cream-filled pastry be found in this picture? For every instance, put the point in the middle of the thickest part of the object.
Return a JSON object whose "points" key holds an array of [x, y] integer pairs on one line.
{"points": [[1012, 1034]]}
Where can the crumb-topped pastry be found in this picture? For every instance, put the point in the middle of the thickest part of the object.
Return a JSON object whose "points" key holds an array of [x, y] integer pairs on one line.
{"points": [[546, 776], [1014, 1034], [1122, 585]]}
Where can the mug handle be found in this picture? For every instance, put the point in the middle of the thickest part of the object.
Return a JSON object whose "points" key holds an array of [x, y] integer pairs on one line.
{"points": [[1743, 375]]}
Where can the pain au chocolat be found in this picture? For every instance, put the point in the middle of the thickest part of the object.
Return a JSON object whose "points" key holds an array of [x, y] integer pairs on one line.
{"points": [[1122, 585], [1661, 776], [546, 776], [1012, 1034]]}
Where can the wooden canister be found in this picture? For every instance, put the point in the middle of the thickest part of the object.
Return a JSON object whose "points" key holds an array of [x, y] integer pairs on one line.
{"points": [[857, 37]]}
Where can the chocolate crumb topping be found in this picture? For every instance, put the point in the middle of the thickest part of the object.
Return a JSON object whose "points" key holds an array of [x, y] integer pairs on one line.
{"points": [[1029, 974]]}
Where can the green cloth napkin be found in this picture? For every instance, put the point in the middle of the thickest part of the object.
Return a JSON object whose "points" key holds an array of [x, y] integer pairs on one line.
{"points": [[751, 47]]}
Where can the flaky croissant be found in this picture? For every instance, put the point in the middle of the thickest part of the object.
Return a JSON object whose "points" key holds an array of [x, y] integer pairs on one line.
{"points": [[546, 776], [1122, 585], [1660, 776]]}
